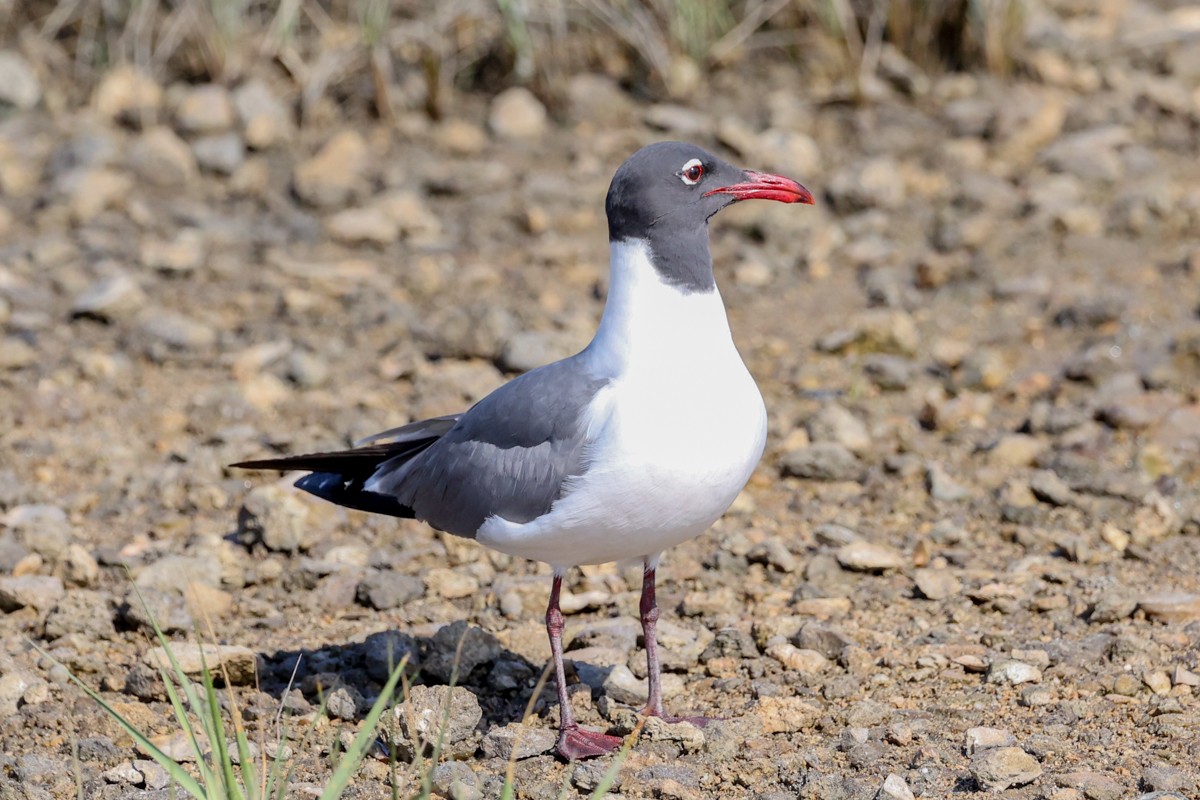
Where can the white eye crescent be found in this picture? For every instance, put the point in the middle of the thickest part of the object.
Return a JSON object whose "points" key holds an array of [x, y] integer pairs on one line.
{"points": [[692, 172]]}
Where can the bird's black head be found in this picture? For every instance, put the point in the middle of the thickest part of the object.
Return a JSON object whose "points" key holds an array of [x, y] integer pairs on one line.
{"points": [[665, 193]]}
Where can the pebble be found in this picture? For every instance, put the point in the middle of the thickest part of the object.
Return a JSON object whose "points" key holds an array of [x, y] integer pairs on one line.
{"points": [[176, 331], [879, 330], [81, 611], [1013, 672], [266, 121], [206, 108], [1093, 785], [127, 94], [150, 606], [280, 519], [1171, 607], [1048, 487], [997, 769], [1016, 450], [517, 114], [336, 173], [451, 583], [12, 689], [936, 584], [19, 86], [40, 592], [943, 487], [875, 183], [115, 297], [833, 423], [982, 738], [222, 153], [386, 589], [42, 528], [184, 253], [455, 780], [623, 686], [806, 662], [785, 714], [239, 663], [445, 659], [864, 556], [823, 461], [383, 651], [370, 225], [160, 158], [515, 741], [896, 788], [98, 190], [430, 714]]}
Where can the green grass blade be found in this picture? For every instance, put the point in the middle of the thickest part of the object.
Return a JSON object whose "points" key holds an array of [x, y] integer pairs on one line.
{"points": [[358, 748], [217, 725]]}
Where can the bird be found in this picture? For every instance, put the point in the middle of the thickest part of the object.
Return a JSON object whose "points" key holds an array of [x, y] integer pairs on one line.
{"points": [[637, 443]]}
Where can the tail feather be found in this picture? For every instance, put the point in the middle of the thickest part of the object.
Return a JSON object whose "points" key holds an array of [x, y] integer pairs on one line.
{"points": [[340, 476]]}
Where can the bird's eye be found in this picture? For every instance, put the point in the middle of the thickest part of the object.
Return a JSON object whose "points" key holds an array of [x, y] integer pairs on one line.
{"points": [[692, 172]]}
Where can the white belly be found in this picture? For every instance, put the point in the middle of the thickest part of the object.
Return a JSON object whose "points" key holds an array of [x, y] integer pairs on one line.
{"points": [[672, 439]]}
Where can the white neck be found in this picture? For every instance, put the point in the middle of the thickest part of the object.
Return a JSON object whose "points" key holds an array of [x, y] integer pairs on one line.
{"points": [[647, 320]]}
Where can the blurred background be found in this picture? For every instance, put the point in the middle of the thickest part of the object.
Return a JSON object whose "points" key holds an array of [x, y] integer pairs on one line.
{"points": [[231, 228]]}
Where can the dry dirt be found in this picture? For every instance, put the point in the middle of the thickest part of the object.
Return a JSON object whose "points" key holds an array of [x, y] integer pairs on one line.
{"points": [[969, 562]]}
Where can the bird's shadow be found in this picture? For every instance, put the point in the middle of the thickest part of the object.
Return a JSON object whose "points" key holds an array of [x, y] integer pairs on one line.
{"points": [[502, 680]]}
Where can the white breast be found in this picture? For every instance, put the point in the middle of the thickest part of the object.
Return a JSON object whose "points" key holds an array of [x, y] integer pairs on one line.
{"points": [[673, 438]]}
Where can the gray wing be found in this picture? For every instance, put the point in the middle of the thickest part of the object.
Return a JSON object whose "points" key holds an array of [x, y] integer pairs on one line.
{"points": [[508, 456]]}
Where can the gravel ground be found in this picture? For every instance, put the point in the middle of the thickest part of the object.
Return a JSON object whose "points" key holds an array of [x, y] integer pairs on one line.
{"points": [[969, 563]]}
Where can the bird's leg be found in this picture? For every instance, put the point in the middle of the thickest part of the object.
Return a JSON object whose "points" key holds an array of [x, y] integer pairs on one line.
{"points": [[573, 741], [649, 613]]}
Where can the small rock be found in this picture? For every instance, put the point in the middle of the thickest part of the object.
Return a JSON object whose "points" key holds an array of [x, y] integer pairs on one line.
{"points": [[445, 659], [517, 114], [1013, 672], [115, 297], [151, 606], [279, 518], [806, 662], [1016, 450], [936, 584], [176, 331], [833, 423], [895, 788], [515, 741], [239, 663], [98, 190], [983, 738], [184, 253], [878, 330], [455, 780], [1001, 768], [369, 225], [1171, 607], [222, 153], [824, 461], [40, 592], [126, 94], [19, 85], [789, 152], [206, 108], [265, 120], [943, 487], [623, 686], [451, 583], [863, 556], [383, 652], [161, 158], [336, 173], [12, 689], [785, 714], [872, 184], [386, 589], [81, 611], [430, 714], [1093, 785], [683, 733]]}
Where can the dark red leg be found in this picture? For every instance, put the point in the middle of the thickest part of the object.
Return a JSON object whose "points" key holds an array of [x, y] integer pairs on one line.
{"points": [[573, 741], [649, 612]]}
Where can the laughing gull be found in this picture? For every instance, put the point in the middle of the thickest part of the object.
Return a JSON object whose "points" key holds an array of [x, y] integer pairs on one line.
{"points": [[639, 442]]}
